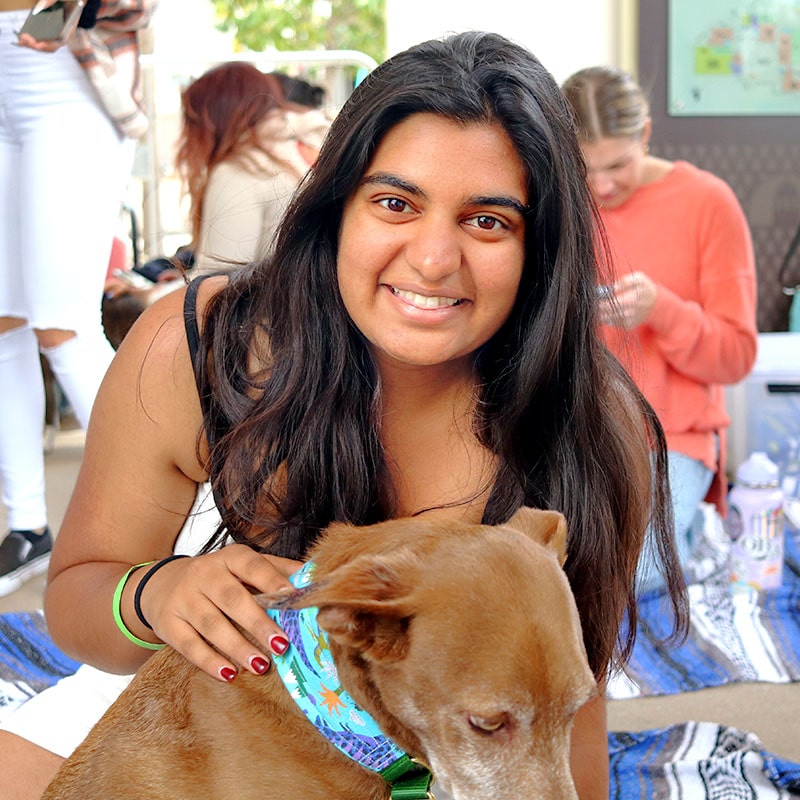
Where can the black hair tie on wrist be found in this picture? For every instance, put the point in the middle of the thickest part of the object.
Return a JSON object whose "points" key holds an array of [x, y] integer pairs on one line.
{"points": [[137, 595]]}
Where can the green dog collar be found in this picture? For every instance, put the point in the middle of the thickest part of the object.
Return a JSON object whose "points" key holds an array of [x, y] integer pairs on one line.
{"points": [[409, 780]]}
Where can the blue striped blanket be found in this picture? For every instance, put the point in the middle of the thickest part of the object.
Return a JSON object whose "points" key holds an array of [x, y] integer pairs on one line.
{"points": [[698, 761], [750, 637], [29, 661], [734, 637]]}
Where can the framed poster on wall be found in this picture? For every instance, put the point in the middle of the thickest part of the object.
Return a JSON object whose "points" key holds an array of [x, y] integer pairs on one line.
{"points": [[734, 58]]}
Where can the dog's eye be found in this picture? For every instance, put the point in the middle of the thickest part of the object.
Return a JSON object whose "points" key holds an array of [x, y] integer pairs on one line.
{"points": [[486, 724]]}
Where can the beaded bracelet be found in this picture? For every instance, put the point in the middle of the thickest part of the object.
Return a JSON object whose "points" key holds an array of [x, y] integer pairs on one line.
{"points": [[115, 607], [137, 595]]}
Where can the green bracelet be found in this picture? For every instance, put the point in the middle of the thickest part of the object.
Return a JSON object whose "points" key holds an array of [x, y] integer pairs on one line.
{"points": [[115, 606]]}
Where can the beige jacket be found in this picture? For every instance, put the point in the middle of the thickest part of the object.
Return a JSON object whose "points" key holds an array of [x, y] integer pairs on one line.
{"points": [[247, 195]]}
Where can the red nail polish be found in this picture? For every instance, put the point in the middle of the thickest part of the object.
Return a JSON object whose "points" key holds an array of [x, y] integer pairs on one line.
{"points": [[278, 644], [259, 665], [227, 674]]}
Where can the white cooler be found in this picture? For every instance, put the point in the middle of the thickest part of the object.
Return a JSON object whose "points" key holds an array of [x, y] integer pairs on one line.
{"points": [[765, 407]]}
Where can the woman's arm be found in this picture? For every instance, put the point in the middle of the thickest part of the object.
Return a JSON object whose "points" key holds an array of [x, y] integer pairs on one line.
{"points": [[705, 326], [136, 485], [589, 756]]}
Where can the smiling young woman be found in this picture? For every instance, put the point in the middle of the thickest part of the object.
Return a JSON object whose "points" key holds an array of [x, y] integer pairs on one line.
{"points": [[423, 340]]}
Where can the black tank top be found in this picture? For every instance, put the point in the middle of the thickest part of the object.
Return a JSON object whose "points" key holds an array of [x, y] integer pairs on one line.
{"points": [[190, 321], [193, 341]]}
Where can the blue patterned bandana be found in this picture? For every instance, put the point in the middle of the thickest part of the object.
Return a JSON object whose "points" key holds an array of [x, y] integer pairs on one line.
{"points": [[310, 676]]}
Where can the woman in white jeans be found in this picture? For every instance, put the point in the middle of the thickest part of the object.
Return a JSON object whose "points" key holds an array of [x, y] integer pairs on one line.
{"points": [[65, 158]]}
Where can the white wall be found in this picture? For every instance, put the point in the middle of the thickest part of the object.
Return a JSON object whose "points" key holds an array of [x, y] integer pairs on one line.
{"points": [[185, 29], [566, 35]]}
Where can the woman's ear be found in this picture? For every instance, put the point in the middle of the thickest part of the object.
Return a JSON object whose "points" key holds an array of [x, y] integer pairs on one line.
{"points": [[646, 132]]}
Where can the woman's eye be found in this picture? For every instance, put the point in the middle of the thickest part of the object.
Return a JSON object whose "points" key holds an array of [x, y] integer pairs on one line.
{"points": [[486, 223], [394, 204]]}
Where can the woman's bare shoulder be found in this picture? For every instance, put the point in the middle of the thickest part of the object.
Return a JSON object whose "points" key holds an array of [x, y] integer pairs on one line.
{"points": [[209, 288], [151, 379]]}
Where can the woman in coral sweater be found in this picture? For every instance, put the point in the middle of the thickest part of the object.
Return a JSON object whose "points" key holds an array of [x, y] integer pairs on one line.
{"points": [[680, 305]]}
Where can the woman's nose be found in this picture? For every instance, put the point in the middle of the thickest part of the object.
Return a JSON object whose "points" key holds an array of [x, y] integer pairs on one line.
{"points": [[601, 184], [434, 249]]}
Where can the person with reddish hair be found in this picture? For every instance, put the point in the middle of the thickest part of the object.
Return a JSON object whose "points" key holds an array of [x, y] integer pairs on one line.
{"points": [[243, 150]]}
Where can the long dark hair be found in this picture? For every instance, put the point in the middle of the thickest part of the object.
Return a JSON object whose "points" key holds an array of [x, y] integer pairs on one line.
{"points": [[299, 446]]}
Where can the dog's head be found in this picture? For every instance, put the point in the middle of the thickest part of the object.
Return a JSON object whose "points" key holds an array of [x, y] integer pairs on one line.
{"points": [[465, 645]]}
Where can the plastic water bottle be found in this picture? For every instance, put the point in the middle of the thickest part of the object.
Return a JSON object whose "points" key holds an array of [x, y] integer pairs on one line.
{"points": [[755, 525]]}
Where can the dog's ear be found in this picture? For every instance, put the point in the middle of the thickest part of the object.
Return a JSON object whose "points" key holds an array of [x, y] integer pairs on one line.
{"points": [[546, 527], [367, 603]]}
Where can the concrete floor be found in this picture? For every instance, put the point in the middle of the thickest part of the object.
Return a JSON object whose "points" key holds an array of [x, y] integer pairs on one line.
{"points": [[769, 710]]}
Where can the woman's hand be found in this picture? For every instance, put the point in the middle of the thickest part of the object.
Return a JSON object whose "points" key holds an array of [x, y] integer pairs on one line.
{"points": [[190, 603], [45, 46], [42, 45], [634, 296]]}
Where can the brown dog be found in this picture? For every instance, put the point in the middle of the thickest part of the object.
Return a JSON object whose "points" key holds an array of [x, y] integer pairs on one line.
{"points": [[462, 641]]}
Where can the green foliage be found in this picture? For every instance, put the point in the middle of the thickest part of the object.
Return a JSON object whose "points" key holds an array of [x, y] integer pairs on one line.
{"points": [[305, 24]]}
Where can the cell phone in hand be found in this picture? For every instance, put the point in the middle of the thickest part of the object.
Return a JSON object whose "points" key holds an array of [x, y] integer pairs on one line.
{"points": [[604, 291], [54, 23]]}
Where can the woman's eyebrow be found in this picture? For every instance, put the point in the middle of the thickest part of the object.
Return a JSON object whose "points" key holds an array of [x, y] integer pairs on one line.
{"points": [[501, 200], [388, 179]]}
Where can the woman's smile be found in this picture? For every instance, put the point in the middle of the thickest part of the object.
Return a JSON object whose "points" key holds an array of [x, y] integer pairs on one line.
{"points": [[423, 301]]}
